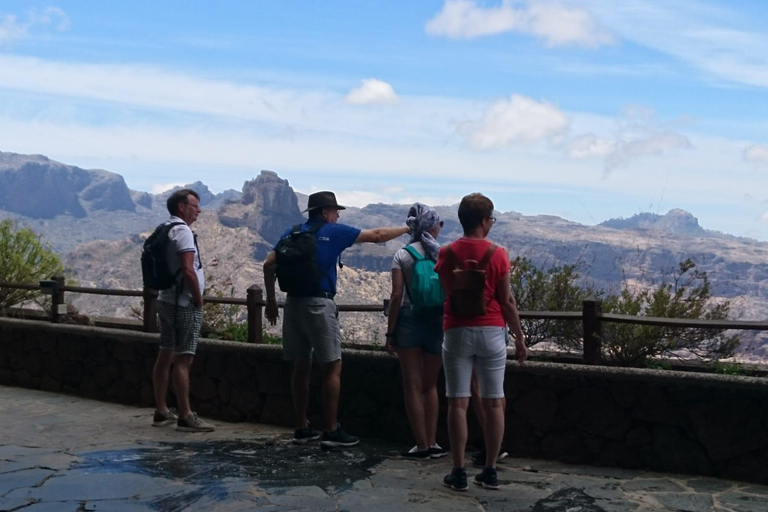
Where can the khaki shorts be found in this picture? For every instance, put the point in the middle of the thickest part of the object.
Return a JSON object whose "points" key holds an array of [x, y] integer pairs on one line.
{"points": [[311, 324]]}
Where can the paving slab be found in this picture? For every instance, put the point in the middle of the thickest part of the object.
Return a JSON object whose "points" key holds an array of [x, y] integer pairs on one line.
{"points": [[62, 453]]}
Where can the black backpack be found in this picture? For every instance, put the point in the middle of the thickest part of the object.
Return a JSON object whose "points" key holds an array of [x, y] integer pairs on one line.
{"points": [[297, 271], [154, 259]]}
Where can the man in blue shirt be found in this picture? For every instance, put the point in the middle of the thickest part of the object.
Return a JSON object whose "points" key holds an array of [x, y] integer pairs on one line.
{"points": [[311, 320]]}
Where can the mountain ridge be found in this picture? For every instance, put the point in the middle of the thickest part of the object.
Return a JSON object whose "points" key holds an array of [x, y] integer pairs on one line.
{"points": [[640, 249]]}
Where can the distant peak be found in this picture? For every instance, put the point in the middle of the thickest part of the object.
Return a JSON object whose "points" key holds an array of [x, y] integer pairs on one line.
{"points": [[675, 221]]}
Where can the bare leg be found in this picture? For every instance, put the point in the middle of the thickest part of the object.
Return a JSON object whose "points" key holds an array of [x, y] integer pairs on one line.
{"points": [[181, 365], [431, 365], [300, 388], [493, 409], [477, 406], [331, 388], [161, 377], [457, 429], [410, 366]]}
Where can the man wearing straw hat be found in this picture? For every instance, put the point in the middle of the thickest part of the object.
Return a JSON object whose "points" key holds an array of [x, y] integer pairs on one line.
{"points": [[311, 322]]}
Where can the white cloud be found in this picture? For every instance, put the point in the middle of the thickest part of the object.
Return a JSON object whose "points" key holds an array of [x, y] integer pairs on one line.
{"points": [[562, 26], [590, 146], [556, 24], [652, 143], [12, 28], [722, 40], [360, 198], [756, 153], [52, 16], [430, 200], [372, 91], [159, 188], [635, 134], [517, 120]]}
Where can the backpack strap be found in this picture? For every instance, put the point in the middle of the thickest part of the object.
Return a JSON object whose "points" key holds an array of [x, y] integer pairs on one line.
{"points": [[167, 227], [416, 257], [452, 258], [487, 258], [414, 253]]}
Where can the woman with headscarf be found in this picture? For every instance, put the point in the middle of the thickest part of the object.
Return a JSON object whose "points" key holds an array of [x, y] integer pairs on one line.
{"points": [[417, 335]]}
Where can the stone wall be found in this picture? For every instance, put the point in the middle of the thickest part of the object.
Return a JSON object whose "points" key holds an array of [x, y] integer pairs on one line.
{"points": [[659, 420]]}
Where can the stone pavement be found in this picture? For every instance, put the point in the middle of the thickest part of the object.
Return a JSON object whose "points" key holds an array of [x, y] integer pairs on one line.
{"points": [[65, 454]]}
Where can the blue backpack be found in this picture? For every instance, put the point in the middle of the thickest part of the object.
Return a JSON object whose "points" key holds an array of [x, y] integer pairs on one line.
{"points": [[425, 292]]}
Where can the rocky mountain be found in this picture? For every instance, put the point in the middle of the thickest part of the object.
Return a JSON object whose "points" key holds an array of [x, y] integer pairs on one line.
{"points": [[237, 229], [268, 206], [230, 269], [675, 221], [38, 187], [208, 199]]}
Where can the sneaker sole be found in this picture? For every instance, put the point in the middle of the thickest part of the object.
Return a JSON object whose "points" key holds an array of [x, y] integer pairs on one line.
{"points": [[438, 455], [162, 423], [460, 489], [305, 440], [335, 444], [193, 429], [487, 486]]}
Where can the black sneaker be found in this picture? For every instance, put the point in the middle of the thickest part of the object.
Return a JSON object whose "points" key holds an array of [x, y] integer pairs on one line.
{"points": [[487, 479], [436, 451], [338, 438], [305, 435], [415, 453], [478, 458], [456, 480]]}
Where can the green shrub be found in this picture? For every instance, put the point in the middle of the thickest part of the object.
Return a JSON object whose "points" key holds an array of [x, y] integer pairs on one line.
{"points": [[24, 258]]}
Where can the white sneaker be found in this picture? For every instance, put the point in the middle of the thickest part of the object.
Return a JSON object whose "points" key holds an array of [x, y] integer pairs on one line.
{"points": [[193, 423]]}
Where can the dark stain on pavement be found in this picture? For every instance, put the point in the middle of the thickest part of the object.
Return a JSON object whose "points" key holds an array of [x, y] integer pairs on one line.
{"points": [[567, 500], [209, 464]]}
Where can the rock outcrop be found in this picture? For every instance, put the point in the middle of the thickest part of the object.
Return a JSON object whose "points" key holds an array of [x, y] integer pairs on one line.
{"points": [[38, 187], [208, 199], [676, 221], [267, 207]]}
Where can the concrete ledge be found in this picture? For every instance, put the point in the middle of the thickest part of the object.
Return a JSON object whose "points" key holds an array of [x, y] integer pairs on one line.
{"points": [[633, 418]]}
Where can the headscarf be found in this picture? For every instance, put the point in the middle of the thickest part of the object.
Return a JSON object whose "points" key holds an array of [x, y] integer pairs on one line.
{"points": [[422, 219]]}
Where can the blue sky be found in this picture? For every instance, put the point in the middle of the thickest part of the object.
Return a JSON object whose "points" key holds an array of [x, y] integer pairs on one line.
{"points": [[585, 109]]}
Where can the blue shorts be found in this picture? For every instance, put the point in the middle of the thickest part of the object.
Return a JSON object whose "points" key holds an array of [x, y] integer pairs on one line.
{"points": [[423, 330]]}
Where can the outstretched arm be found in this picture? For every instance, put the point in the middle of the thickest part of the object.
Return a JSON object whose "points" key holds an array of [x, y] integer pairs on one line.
{"points": [[380, 235]]}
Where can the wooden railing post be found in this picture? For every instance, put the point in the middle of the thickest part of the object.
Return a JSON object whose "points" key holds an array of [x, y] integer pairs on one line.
{"points": [[253, 301], [593, 330], [57, 299], [150, 310]]}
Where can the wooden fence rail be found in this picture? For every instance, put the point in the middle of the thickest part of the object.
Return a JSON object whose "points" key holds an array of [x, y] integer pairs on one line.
{"points": [[591, 315]]}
